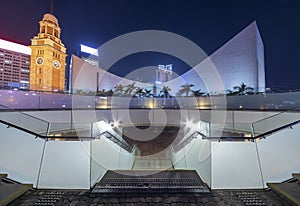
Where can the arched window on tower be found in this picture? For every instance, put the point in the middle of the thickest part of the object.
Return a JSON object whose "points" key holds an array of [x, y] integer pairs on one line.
{"points": [[43, 29], [49, 30], [56, 33]]}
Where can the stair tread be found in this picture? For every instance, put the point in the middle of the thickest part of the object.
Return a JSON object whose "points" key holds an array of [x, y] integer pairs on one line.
{"points": [[10, 192], [296, 175], [289, 190], [3, 176]]}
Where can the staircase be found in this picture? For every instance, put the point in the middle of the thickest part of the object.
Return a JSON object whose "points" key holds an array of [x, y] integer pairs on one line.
{"points": [[289, 190], [159, 161], [11, 190], [151, 181]]}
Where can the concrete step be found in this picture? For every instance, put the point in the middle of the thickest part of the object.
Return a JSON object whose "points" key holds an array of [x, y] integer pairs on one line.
{"points": [[2, 176], [296, 176], [289, 190], [10, 191], [152, 164]]}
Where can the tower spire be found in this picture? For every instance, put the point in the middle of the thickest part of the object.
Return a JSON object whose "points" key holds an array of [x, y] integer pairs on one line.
{"points": [[51, 6]]}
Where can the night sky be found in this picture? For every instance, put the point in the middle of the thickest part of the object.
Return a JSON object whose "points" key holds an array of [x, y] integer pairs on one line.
{"points": [[209, 24]]}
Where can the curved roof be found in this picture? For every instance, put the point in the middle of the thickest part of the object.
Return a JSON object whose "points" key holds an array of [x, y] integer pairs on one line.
{"points": [[50, 18]]}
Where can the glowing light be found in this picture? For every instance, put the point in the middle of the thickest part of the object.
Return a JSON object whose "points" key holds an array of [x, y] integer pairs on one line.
{"points": [[191, 124], [115, 124], [149, 103], [89, 50], [15, 47]]}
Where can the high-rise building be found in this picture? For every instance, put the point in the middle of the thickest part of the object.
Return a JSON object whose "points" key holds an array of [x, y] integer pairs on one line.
{"points": [[48, 58], [14, 65], [164, 73], [89, 54]]}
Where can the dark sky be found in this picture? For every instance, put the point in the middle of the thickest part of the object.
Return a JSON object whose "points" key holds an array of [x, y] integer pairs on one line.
{"points": [[209, 24]]}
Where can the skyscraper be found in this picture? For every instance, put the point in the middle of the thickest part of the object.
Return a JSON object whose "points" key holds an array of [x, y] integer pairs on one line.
{"points": [[48, 58], [164, 73], [14, 65]]}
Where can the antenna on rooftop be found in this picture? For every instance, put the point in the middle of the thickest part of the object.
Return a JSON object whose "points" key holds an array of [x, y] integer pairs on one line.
{"points": [[52, 7]]}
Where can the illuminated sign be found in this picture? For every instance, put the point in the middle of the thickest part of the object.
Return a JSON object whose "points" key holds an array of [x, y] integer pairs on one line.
{"points": [[7, 45], [169, 67], [165, 67], [89, 50]]}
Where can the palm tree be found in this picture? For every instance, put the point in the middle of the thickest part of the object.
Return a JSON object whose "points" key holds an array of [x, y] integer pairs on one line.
{"points": [[139, 92], [165, 92], [197, 93], [243, 89], [148, 93], [186, 88], [129, 89], [101, 93], [109, 93], [119, 90]]}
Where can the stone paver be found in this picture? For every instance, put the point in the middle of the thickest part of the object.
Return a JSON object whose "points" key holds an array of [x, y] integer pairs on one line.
{"points": [[216, 197]]}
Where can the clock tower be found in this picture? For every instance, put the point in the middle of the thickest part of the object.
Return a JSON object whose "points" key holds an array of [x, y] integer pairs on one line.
{"points": [[48, 57]]}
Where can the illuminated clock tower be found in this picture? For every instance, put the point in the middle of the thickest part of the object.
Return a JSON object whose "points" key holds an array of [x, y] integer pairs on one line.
{"points": [[48, 57]]}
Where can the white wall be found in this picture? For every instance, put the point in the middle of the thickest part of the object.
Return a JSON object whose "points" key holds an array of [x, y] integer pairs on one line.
{"points": [[66, 164], [235, 165], [279, 155], [20, 155]]}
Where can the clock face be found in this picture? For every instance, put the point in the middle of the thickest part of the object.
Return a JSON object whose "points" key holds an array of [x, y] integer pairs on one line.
{"points": [[39, 61], [56, 64]]}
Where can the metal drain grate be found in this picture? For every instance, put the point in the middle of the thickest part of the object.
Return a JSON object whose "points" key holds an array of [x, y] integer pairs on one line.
{"points": [[49, 198], [163, 181], [250, 198]]}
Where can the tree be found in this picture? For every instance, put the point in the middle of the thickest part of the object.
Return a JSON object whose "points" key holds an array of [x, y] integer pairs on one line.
{"points": [[109, 93], [148, 93], [165, 92], [101, 93], [119, 90], [197, 93], [129, 89], [139, 92], [186, 89], [243, 89]]}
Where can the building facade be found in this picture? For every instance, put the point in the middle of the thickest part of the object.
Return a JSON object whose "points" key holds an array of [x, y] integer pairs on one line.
{"points": [[240, 60], [14, 65], [48, 58], [164, 73]]}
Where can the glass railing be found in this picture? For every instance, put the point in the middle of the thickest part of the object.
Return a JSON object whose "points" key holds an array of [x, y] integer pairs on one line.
{"points": [[24, 121], [276, 122], [70, 130], [230, 131], [51, 100]]}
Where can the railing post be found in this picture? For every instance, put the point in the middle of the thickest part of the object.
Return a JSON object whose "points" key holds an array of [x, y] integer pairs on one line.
{"points": [[43, 153], [252, 131]]}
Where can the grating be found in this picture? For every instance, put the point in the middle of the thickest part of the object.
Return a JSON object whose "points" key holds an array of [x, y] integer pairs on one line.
{"points": [[139, 182], [250, 198], [49, 198]]}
